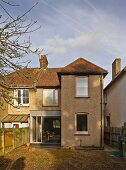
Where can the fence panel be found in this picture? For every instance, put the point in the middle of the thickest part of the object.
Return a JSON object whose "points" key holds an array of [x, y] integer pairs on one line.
{"points": [[17, 137], [112, 135], [13, 138], [1, 141], [107, 136], [8, 139]]}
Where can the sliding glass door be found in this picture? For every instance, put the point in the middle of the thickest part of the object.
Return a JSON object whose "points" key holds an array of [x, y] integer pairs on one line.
{"points": [[45, 129], [51, 130]]}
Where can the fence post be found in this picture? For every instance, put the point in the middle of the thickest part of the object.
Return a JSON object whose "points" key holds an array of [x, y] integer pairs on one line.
{"points": [[3, 140], [110, 135], [13, 139], [21, 136]]}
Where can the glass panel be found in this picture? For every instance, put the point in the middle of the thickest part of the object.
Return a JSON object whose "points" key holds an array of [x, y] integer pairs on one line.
{"points": [[25, 96], [34, 129], [81, 122], [19, 97], [51, 130], [38, 129], [82, 86], [50, 97], [56, 124]]}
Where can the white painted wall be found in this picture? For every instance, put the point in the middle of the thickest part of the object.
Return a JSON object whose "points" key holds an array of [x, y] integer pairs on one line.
{"points": [[116, 102], [10, 125]]}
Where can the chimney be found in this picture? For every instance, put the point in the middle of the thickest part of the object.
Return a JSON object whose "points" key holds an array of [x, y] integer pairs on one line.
{"points": [[116, 67], [43, 62]]}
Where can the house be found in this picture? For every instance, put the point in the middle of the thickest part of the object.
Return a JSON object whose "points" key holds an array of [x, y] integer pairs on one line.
{"points": [[65, 104], [115, 97]]}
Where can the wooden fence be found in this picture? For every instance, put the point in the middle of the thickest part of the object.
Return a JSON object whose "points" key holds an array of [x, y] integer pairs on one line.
{"points": [[112, 134], [11, 138]]}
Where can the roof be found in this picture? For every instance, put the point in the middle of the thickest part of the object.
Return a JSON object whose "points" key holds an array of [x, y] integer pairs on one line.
{"points": [[82, 65], [23, 118], [30, 77], [115, 79]]}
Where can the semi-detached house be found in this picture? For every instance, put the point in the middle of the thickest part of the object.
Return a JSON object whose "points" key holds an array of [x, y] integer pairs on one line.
{"points": [[65, 104]]}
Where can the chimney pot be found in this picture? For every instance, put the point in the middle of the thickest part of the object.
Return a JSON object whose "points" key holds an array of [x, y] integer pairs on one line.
{"points": [[43, 62], [116, 67]]}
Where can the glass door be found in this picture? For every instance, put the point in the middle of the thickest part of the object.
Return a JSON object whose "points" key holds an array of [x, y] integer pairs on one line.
{"points": [[37, 129], [51, 130]]}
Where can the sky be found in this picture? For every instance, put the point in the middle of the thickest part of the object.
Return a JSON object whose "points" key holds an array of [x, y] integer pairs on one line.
{"points": [[92, 29]]}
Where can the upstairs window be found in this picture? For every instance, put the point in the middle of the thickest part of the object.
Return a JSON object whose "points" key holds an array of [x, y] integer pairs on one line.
{"points": [[50, 97], [81, 86], [21, 97]]}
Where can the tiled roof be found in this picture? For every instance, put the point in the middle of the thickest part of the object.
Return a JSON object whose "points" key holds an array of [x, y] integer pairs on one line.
{"points": [[15, 118], [28, 77], [48, 77], [23, 77], [83, 66]]}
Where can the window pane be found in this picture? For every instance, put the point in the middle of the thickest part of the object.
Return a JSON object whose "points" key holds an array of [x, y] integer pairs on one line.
{"points": [[55, 97], [19, 97], [82, 86], [56, 124], [81, 122], [50, 97], [25, 96]]}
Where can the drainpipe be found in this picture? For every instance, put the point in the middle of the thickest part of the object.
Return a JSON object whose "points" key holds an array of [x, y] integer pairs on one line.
{"points": [[101, 131]]}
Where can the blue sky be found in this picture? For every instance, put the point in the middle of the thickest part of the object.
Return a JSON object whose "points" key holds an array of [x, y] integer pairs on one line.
{"points": [[93, 29]]}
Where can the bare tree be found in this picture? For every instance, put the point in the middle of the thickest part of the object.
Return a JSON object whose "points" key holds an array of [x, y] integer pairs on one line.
{"points": [[13, 46]]}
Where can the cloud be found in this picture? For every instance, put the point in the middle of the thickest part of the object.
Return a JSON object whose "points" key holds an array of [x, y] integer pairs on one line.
{"points": [[79, 29], [106, 37]]}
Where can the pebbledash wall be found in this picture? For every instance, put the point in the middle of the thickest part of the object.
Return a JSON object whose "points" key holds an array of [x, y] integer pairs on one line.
{"points": [[71, 105]]}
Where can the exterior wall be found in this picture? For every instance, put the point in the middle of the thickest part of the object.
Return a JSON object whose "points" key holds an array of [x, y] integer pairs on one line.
{"points": [[116, 102], [35, 103], [10, 125], [3, 107], [71, 105]]}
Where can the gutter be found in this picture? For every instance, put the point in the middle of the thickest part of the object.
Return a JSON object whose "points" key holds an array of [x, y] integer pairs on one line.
{"points": [[101, 131]]}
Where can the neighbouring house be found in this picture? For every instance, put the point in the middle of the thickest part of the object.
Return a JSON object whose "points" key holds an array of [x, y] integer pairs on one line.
{"points": [[65, 104], [115, 97]]}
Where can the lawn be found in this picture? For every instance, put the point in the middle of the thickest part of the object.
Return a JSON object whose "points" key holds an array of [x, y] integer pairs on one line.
{"points": [[60, 159]]}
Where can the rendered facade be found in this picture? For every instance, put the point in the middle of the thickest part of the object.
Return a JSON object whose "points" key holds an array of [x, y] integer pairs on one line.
{"points": [[65, 105]]}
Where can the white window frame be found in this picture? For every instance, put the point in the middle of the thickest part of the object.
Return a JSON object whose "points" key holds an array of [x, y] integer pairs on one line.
{"points": [[82, 77], [80, 132], [53, 104], [16, 97]]}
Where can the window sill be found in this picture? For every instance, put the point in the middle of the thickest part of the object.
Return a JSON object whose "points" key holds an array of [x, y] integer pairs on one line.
{"points": [[24, 106], [27, 105], [81, 97], [81, 134], [51, 106]]}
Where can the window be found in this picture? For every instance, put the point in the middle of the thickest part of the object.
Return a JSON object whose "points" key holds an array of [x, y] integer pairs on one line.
{"points": [[107, 121], [21, 97], [82, 87], [105, 98], [56, 124], [15, 125], [81, 123], [50, 97]]}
